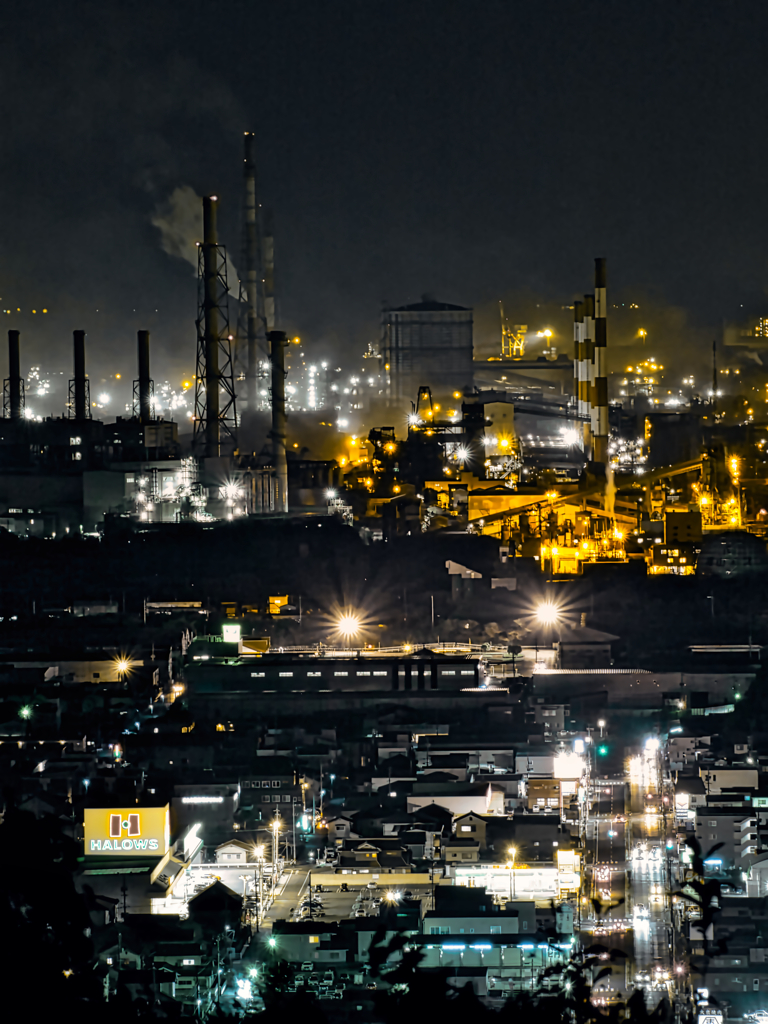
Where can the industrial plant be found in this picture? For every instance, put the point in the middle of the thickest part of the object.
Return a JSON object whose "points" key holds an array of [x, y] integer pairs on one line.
{"points": [[372, 659]]}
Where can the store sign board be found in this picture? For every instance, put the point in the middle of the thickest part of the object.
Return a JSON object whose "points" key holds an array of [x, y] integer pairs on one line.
{"points": [[127, 831]]}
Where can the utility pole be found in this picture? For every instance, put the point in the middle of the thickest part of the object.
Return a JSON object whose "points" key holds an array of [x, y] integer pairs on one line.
{"points": [[275, 832]]}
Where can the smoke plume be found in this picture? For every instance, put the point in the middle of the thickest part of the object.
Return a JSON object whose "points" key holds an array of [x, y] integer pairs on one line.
{"points": [[180, 223]]}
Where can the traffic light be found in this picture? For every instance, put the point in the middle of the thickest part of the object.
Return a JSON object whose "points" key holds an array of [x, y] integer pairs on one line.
{"points": [[602, 750]]}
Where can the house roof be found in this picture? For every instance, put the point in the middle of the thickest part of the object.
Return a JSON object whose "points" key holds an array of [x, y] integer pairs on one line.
{"points": [[584, 635], [216, 897], [430, 305]]}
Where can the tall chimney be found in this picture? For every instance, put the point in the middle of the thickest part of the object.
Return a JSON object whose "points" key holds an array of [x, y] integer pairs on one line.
{"points": [[211, 328], [277, 343], [600, 428], [79, 382], [578, 354], [144, 382], [256, 318], [15, 383], [269, 271], [588, 368]]}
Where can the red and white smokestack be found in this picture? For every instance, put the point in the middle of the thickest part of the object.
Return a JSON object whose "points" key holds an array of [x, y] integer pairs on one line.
{"points": [[578, 353], [600, 427], [588, 370]]}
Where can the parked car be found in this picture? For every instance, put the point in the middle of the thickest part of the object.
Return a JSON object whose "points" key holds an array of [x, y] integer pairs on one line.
{"points": [[306, 966]]}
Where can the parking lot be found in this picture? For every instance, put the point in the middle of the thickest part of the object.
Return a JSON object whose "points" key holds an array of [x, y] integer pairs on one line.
{"points": [[359, 901]]}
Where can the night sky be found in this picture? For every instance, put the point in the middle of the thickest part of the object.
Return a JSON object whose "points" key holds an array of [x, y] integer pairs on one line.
{"points": [[479, 151]]}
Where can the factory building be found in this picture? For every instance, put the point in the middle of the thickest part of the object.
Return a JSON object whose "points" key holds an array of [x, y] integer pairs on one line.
{"points": [[427, 343]]}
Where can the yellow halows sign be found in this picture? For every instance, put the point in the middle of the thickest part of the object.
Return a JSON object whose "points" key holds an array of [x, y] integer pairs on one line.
{"points": [[127, 831]]}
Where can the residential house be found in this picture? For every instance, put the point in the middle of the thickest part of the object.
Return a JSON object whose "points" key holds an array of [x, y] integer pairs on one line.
{"points": [[471, 826], [458, 797], [462, 850], [580, 647], [235, 851], [340, 826], [375, 854]]}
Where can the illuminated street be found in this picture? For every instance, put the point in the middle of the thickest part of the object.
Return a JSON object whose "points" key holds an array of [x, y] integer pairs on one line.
{"points": [[384, 512]]}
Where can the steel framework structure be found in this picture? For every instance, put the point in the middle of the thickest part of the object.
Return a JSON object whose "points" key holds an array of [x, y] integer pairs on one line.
{"points": [[215, 406]]}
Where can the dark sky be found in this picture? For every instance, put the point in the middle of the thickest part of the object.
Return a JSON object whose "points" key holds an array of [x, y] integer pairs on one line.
{"points": [[476, 150]]}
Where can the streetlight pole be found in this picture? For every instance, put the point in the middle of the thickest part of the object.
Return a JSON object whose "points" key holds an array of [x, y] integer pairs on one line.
{"points": [[260, 862], [275, 831], [512, 886]]}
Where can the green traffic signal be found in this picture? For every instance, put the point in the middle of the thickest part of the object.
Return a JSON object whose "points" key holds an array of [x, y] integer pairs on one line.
{"points": [[603, 750]]}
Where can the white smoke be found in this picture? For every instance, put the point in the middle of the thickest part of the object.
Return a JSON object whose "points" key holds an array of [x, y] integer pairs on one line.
{"points": [[752, 355], [180, 223]]}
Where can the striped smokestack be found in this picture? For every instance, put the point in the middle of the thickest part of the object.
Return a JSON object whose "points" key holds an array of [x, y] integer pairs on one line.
{"points": [[578, 352], [588, 369], [600, 429]]}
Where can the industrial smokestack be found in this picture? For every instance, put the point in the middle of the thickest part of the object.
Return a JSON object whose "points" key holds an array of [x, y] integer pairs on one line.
{"points": [[79, 389], [578, 354], [144, 381], [211, 328], [269, 272], [256, 318], [15, 383], [277, 343], [588, 369], [600, 428]]}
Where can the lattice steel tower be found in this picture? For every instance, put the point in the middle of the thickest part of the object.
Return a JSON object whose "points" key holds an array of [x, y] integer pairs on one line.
{"points": [[215, 410]]}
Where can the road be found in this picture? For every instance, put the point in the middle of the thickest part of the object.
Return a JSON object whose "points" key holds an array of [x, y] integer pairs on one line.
{"points": [[630, 865], [650, 881], [606, 882]]}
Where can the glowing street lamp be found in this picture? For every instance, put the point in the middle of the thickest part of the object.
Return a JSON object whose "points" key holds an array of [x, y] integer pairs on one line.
{"points": [[548, 614], [348, 625], [512, 851]]}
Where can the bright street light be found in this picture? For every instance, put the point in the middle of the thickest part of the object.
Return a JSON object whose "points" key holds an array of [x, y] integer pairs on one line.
{"points": [[348, 625], [548, 614], [512, 852]]}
